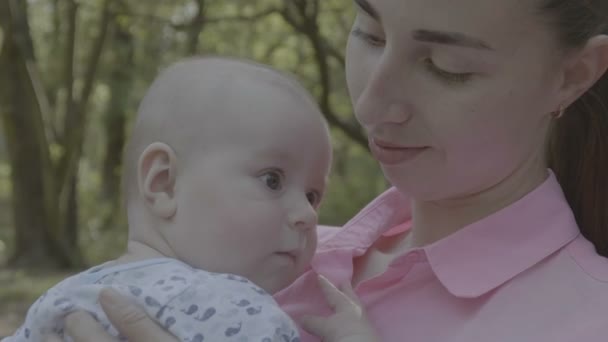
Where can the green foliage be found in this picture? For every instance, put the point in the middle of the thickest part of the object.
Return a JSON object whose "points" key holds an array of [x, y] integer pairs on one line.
{"points": [[26, 286]]}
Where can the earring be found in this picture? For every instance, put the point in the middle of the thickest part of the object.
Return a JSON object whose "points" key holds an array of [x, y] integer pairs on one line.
{"points": [[558, 113]]}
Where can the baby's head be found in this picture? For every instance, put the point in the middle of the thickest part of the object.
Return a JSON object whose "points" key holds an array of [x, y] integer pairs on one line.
{"points": [[225, 169]]}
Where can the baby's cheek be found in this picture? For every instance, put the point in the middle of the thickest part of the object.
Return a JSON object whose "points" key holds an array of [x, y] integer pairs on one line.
{"points": [[311, 247], [249, 223]]}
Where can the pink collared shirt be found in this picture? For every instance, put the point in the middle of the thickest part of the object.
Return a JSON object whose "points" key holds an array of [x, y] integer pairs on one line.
{"points": [[523, 274]]}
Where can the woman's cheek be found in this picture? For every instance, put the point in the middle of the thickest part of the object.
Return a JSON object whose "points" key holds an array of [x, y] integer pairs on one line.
{"points": [[359, 65]]}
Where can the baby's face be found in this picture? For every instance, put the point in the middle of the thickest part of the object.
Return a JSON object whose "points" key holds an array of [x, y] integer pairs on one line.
{"points": [[248, 200]]}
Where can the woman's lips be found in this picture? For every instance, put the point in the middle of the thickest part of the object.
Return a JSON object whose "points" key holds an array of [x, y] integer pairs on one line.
{"points": [[392, 154]]}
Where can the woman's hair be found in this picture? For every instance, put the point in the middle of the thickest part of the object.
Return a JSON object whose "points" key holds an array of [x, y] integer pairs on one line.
{"points": [[578, 142]]}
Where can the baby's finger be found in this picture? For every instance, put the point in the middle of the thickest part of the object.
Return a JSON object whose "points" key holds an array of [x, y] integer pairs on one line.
{"points": [[317, 326], [347, 289], [336, 299]]}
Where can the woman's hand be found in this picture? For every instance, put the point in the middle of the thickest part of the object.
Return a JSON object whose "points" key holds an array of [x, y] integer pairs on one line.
{"points": [[128, 318], [347, 324]]}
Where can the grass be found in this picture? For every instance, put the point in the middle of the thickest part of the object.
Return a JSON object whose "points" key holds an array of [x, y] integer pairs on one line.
{"points": [[18, 290]]}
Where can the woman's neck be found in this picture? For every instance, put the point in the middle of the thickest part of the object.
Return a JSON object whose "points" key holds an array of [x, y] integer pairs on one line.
{"points": [[435, 220]]}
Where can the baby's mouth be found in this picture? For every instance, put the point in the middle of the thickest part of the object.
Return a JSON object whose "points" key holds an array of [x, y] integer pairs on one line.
{"points": [[290, 255]]}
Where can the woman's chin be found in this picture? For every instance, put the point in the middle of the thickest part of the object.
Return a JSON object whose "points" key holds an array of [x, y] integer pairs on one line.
{"points": [[419, 185]]}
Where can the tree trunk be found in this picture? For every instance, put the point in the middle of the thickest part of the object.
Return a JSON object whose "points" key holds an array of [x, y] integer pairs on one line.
{"points": [[120, 83], [72, 221], [76, 117], [44, 195], [21, 117], [115, 123]]}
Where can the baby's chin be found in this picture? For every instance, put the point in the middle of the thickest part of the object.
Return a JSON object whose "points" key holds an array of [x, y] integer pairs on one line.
{"points": [[273, 285]]}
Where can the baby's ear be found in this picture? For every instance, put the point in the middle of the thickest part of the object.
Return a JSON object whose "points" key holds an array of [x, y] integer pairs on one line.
{"points": [[156, 171]]}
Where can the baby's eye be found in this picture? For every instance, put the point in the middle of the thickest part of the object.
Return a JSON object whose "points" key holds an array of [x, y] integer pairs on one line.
{"points": [[273, 179], [313, 198]]}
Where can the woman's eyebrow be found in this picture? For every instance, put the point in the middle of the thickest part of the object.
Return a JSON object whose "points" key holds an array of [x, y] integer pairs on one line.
{"points": [[429, 36], [450, 38], [368, 8]]}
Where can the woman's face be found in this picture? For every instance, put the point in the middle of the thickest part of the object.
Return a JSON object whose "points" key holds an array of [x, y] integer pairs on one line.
{"points": [[455, 96]]}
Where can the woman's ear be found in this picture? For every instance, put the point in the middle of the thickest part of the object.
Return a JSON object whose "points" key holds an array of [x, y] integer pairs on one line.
{"points": [[156, 172], [583, 69]]}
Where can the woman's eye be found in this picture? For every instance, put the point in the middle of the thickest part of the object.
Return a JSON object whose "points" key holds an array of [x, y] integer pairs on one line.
{"points": [[313, 198], [273, 180], [368, 37], [447, 76]]}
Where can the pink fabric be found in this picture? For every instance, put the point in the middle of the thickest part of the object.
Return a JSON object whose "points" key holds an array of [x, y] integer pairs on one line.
{"points": [[522, 274]]}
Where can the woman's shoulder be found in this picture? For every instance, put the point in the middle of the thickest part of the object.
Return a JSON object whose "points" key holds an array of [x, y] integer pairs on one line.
{"points": [[586, 258]]}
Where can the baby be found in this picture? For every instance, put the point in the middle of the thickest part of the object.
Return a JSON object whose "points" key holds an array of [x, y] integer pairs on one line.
{"points": [[226, 167]]}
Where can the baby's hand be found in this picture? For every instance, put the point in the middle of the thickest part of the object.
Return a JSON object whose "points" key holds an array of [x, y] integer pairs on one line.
{"points": [[347, 324]]}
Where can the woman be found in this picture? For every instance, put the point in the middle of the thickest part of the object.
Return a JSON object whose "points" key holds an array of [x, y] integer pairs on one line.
{"points": [[489, 117]]}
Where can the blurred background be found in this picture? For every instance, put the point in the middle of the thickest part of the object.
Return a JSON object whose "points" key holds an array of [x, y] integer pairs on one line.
{"points": [[72, 73]]}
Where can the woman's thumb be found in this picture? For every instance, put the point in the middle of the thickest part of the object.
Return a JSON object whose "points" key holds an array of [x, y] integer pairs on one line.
{"points": [[316, 325], [130, 319]]}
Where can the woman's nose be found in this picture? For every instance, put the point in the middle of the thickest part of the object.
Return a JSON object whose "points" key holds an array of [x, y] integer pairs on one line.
{"points": [[383, 98], [370, 114]]}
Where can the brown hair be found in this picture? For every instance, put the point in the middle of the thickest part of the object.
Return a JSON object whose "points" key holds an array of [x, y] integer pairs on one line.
{"points": [[578, 142]]}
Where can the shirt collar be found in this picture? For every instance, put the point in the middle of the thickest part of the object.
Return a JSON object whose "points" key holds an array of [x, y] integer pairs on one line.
{"points": [[481, 256], [386, 212], [489, 252]]}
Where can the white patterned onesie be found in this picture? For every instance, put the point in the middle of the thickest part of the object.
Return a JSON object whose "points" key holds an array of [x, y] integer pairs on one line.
{"points": [[192, 304]]}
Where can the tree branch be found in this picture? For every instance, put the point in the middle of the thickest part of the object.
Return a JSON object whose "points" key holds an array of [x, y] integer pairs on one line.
{"points": [[235, 18], [274, 47], [195, 28], [95, 56], [54, 79], [185, 26], [333, 52], [68, 69], [309, 28], [290, 18], [75, 126]]}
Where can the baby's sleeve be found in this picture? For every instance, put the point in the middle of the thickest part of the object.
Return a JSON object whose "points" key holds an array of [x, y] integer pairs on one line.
{"points": [[230, 308]]}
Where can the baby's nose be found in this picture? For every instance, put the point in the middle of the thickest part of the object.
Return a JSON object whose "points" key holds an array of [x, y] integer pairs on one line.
{"points": [[303, 216]]}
